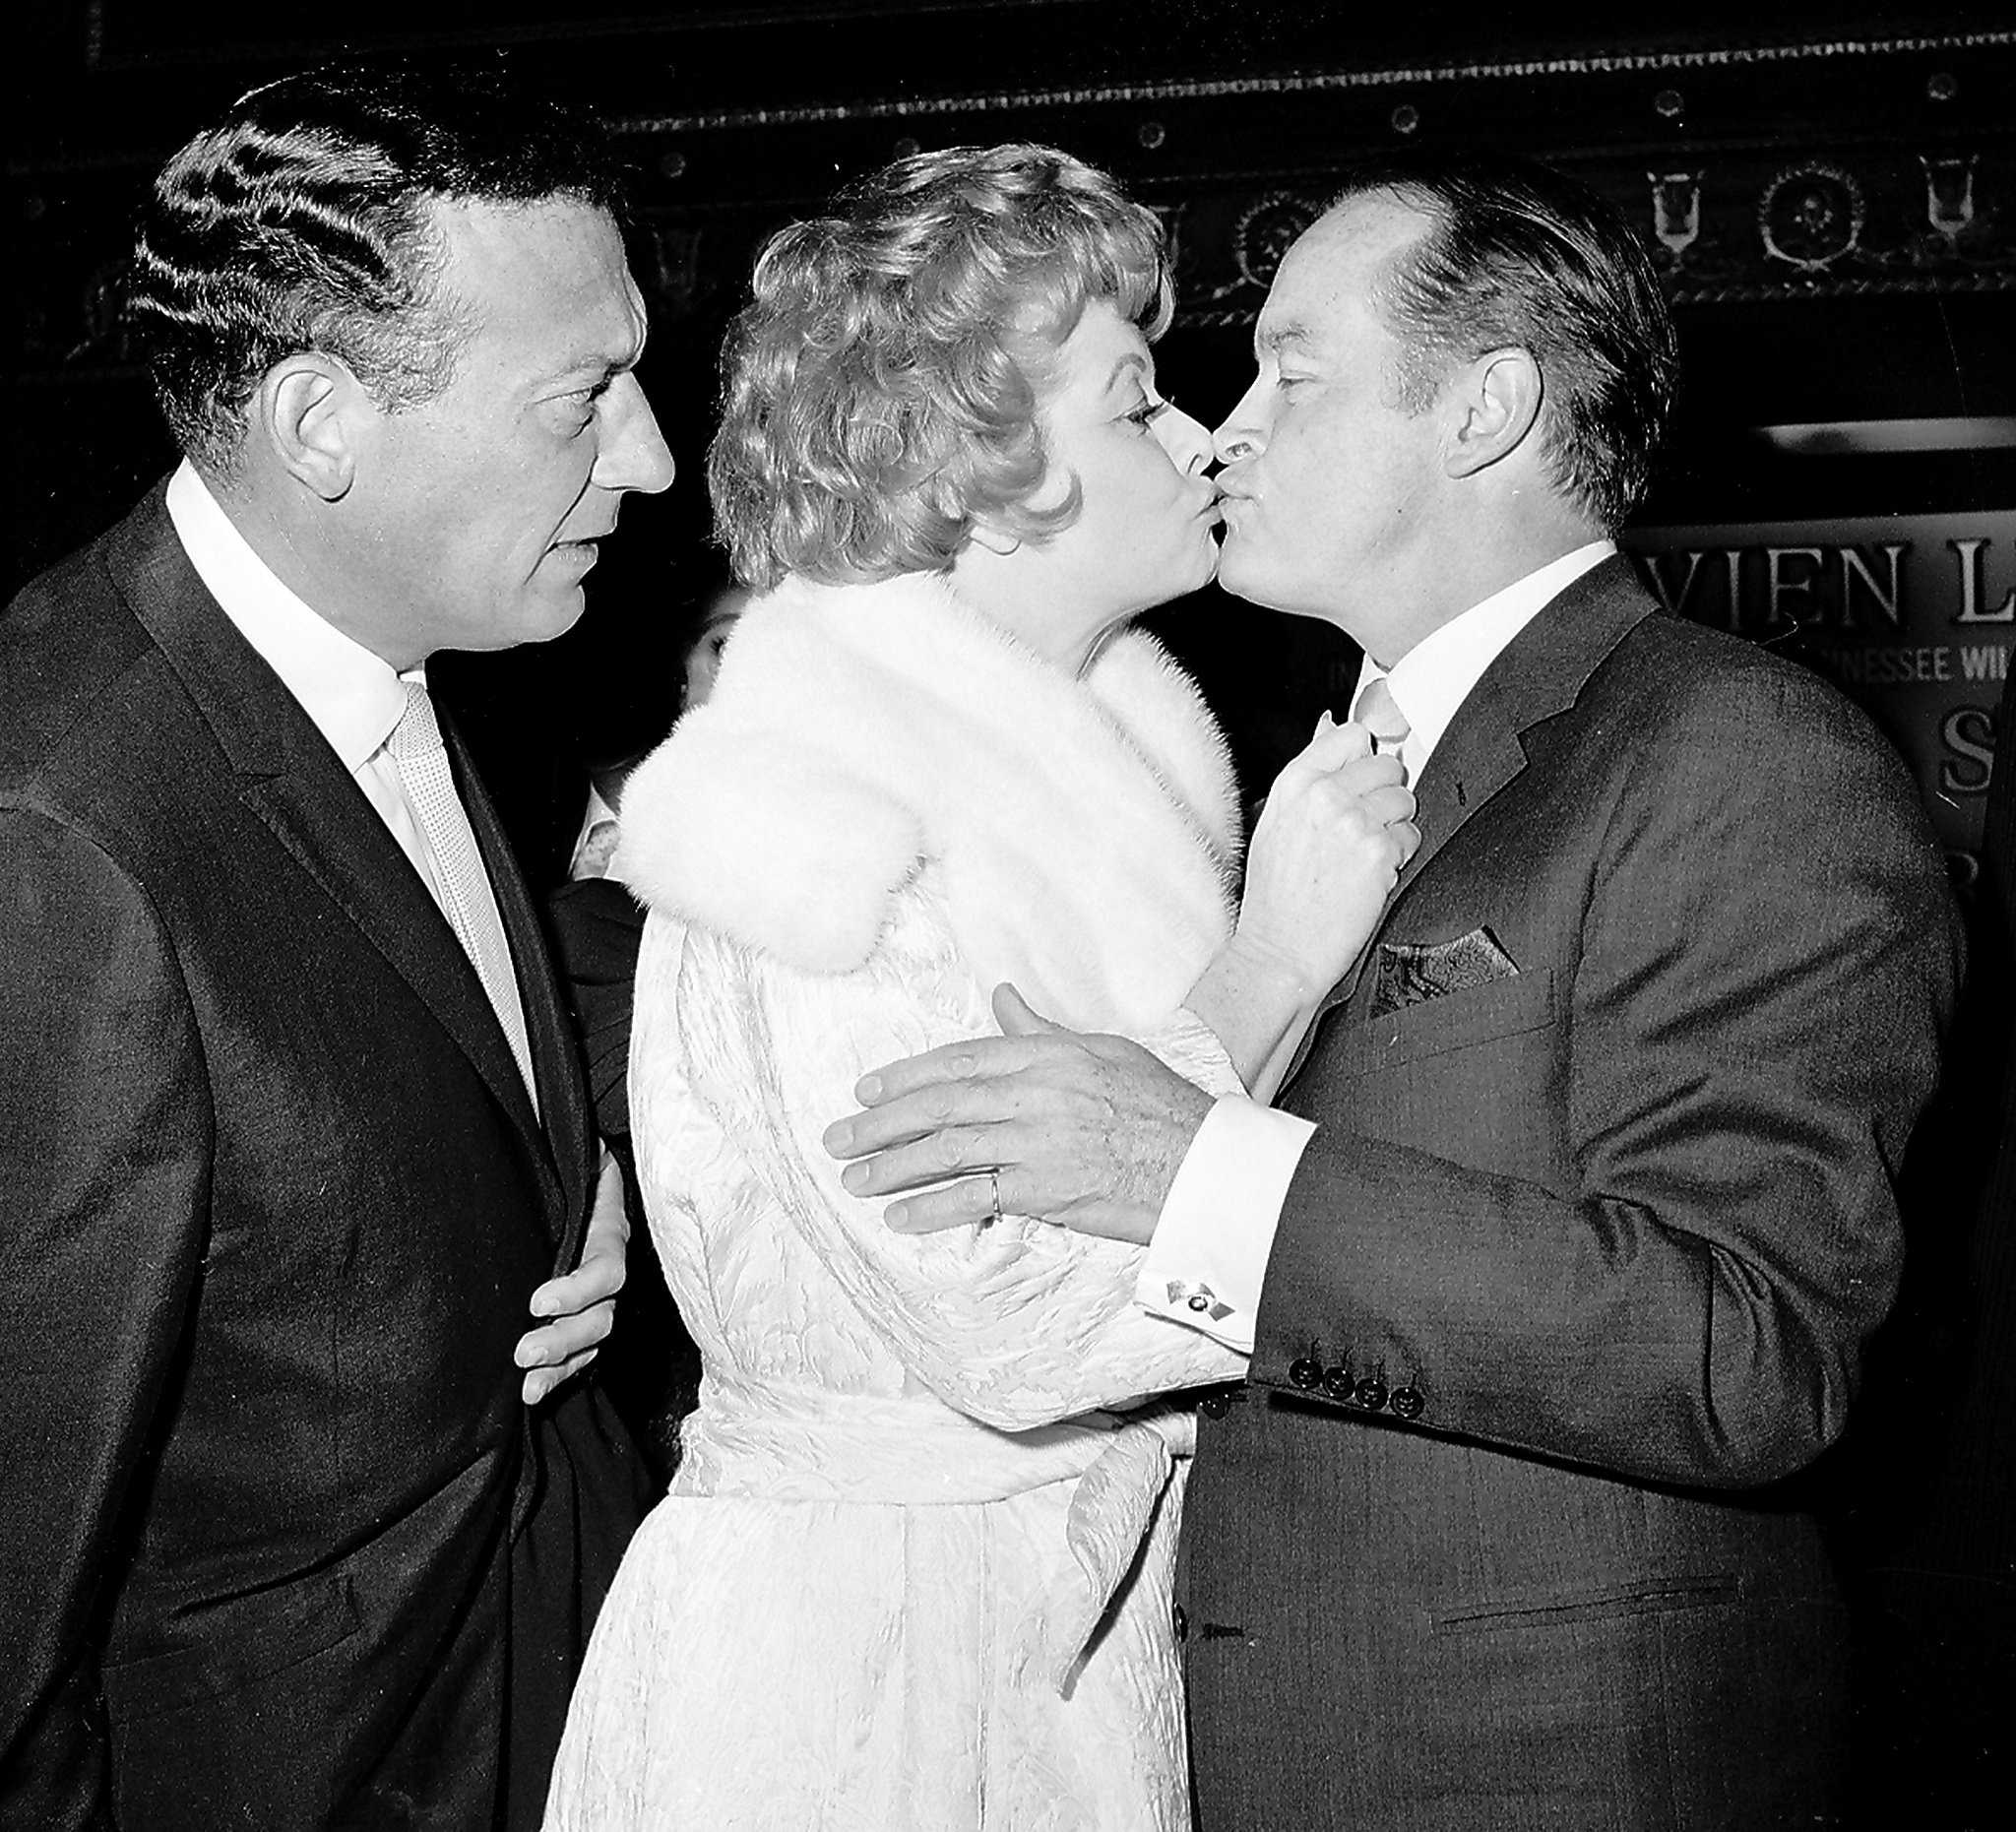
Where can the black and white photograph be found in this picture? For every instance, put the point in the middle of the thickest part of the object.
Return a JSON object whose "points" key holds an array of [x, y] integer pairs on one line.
{"points": [[1008, 915]]}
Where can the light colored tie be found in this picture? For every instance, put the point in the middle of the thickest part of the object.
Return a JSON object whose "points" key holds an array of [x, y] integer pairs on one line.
{"points": [[1379, 713], [472, 905]]}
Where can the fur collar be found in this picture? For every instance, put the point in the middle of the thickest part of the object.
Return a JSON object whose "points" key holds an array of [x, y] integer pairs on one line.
{"points": [[1085, 832]]}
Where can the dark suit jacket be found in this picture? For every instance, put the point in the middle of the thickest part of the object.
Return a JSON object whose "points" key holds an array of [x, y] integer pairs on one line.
{"points": [[278, 1545], [1578, 1266]]}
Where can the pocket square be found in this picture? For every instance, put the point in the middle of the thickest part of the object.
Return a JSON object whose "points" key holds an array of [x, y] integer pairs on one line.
{"points": [[1406, 973]]}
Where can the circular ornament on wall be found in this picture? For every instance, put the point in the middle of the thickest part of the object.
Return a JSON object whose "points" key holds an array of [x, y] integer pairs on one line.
{"points": [[1811, 215], [1264, 233]]}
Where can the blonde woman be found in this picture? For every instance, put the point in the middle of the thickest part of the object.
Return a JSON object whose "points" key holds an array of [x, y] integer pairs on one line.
{"points": [[916, 1567]]}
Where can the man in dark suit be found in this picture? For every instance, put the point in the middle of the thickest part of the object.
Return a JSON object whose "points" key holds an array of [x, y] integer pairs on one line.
{"points": [[1556, 1262], [294, 1530]]}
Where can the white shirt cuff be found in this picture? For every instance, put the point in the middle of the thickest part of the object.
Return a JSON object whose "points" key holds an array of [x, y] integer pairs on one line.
{"points": [[1208, 1256]]}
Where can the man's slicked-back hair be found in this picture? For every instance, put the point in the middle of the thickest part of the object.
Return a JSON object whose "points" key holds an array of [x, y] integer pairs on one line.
{"points": [[303, 221], [1519, 255], [880, 389]]}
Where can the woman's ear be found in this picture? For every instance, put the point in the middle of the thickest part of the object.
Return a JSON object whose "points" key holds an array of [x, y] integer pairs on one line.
{"points": [[997, 540], [311, 414], [1495, 405]]}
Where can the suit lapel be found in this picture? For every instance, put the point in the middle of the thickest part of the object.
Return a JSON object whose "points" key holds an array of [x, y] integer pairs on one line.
{"points": [[285, 773], [1539, 674]]}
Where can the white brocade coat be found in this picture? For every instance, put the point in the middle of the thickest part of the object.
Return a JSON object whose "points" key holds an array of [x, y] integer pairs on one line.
{"points": [[912, 1573]]}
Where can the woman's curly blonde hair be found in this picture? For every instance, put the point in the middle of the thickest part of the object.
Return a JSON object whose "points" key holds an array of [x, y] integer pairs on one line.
{"points": [[880, 389]]}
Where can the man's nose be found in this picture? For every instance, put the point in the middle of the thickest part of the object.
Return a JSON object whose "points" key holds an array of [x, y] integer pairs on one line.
{"points": [[1183, 439], [1232, 442], [634, 454]]}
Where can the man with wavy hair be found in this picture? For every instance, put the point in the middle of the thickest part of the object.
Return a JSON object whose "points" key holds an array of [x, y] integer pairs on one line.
{"points": [[295, 1529]]}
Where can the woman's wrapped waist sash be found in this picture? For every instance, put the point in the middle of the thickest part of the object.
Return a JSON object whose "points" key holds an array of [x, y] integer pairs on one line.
{"points": [[765, 1440]]}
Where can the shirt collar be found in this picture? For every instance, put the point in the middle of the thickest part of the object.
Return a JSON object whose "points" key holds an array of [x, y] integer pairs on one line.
{"points": [[1432, 681], [354, 696]]}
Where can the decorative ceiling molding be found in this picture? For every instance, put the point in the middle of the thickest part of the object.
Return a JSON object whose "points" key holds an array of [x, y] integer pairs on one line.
{"points": [[1305, 83]]}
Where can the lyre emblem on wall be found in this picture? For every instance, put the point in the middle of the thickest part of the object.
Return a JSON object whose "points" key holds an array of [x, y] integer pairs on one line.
{"points": [[1676, 210], [1949, 195]]}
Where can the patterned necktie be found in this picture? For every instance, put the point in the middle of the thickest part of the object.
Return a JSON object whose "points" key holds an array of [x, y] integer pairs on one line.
{"points": [[1379, 713], [472, 905]]}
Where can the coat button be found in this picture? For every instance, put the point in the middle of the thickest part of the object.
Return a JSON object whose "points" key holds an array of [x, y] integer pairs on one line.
{"points": [[1337, 1382], [1407, 1402], [1181, 1623], [1305, 1372], [1370, 1393], [1216, 1402]]}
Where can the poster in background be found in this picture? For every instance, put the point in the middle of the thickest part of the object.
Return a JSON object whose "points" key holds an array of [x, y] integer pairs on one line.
{"points": [[1913, 616]]}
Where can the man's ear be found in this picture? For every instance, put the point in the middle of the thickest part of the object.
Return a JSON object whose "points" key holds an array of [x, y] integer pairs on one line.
{"points": [[1496, 401], [312, 415]]}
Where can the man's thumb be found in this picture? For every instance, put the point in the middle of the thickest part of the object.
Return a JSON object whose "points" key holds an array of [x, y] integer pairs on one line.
{"points": [[1014, 1015]]}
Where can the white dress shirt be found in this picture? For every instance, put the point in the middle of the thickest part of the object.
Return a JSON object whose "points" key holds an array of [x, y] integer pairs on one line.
{"points": [[582, 861], [1216, 1230], [354, 697]]}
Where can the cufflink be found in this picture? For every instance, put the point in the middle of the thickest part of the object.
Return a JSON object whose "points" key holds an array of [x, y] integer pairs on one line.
{"points": [[1198, 1298]]}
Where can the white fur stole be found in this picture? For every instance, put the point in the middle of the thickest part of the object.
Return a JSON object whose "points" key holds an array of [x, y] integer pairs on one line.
{"points": [[1086, 830]]}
